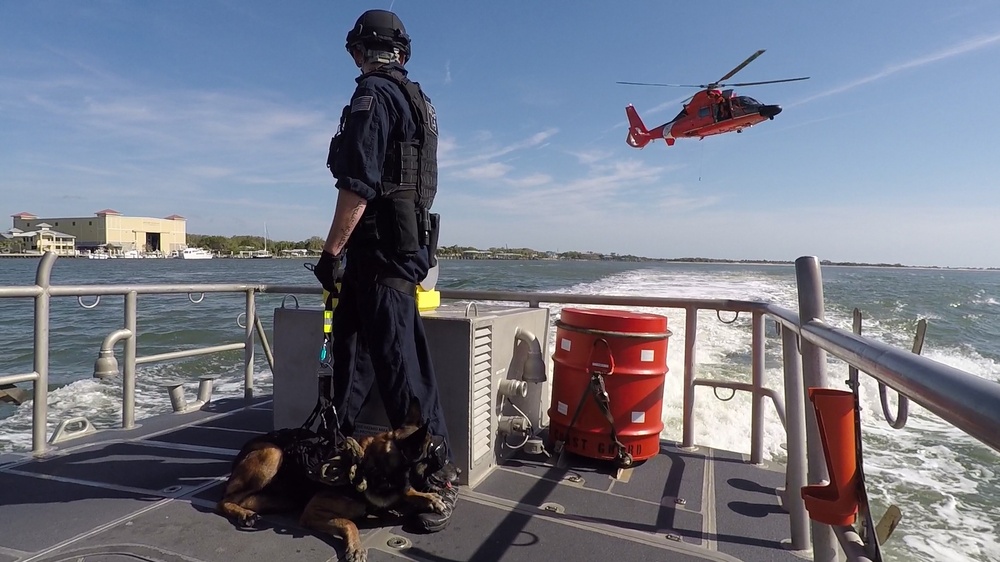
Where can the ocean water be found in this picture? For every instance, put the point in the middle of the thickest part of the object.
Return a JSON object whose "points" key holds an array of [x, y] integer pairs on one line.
{"points": [[943, 480]]}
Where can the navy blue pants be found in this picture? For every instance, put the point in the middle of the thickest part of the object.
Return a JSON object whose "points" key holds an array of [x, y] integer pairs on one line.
{"points": [[378, 338]]}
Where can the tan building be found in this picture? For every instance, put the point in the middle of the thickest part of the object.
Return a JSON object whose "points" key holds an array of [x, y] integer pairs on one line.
{"points": [[42, 239], [111, 230]]}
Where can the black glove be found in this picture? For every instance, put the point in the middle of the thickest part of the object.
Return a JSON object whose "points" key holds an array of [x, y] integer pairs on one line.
{"points": [[327, 270]]}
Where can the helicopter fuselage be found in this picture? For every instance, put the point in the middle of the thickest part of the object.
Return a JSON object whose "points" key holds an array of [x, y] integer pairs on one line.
{"points": [[711, 111]]}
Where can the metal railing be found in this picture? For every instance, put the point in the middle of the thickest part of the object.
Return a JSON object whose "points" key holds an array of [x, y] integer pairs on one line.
{"points": [[43, 291], [968, 402]]}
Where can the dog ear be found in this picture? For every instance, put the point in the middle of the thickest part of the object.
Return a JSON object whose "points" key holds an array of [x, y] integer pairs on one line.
{"points": [[413, 445]]}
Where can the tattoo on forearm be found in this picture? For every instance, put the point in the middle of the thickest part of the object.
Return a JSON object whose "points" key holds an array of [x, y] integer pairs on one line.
{"points": [[352, 221]]}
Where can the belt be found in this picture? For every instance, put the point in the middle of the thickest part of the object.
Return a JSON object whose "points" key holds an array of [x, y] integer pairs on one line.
{"points": [[400, 284]]}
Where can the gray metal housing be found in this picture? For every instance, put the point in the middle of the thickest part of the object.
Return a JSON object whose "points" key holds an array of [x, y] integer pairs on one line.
{"points": [[473, 349]]}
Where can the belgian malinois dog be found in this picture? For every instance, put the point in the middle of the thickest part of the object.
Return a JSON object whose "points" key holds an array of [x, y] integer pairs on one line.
{"points": [[269, 477]]}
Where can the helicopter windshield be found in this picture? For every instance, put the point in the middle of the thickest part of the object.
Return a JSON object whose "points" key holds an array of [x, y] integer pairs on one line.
{"points": [[746, 102]]}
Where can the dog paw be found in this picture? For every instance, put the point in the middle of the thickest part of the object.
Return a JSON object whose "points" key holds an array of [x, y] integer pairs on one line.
{"points": [[437, 505], [357, 555], [249, 521]]}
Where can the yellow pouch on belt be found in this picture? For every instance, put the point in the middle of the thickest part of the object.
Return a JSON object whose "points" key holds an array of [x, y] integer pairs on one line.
{"points": [[428, 300]]}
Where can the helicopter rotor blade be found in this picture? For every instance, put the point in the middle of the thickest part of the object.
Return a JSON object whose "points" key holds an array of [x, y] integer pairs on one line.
{"points": [[737, 85], [719, 83], [667, 85], [740, 67]]}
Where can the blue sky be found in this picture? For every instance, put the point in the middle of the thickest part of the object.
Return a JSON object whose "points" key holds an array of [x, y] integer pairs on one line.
{"points": [[221, 111]]}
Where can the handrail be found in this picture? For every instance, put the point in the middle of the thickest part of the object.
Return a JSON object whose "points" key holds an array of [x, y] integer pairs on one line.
{"points": [[964, 400], [779, 404], [14, 379], [43, 291], [968, 402], [144, 289], [88, 290]]}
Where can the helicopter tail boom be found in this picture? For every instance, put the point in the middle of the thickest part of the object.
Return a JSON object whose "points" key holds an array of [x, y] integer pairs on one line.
{"points": [[638, 135]]}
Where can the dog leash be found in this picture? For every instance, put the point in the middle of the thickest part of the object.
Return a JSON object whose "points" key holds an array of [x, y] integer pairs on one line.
{"points": [[329, 422]]}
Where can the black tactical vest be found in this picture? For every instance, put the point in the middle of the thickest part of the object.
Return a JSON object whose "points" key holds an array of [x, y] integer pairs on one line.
{"points": [[399, 218], [411, 166]]}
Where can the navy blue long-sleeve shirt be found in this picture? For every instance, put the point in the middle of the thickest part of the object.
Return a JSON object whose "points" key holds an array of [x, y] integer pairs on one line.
{"points": [[378, 109]]}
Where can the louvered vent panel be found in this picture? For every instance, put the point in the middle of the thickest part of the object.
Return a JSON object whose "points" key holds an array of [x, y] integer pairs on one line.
{"points": [[482, 375]]}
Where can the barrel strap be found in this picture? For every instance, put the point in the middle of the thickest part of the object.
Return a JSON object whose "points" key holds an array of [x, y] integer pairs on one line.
{"points": [[599, 392]]}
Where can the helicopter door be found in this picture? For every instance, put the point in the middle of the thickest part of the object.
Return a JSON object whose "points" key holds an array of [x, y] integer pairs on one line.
{"points": [[722, 111]]}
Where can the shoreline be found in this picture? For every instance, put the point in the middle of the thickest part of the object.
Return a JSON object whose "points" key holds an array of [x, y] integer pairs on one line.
{"points": [[823, 263]]}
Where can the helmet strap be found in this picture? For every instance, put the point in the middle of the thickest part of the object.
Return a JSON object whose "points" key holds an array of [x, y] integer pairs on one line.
{"points": [[381, 56]]}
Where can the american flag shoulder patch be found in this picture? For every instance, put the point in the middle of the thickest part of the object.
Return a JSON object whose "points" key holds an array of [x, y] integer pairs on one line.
{"points": [[362, 103]]}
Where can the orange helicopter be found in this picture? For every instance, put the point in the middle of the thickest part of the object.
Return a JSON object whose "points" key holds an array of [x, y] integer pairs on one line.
{"points": [[711, 111]]}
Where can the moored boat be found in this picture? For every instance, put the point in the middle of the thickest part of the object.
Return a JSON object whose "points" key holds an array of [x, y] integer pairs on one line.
{"points": [[195, 254]]}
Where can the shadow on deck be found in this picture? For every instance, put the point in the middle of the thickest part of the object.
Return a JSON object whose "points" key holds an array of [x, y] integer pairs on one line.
{"points": [[149, 493]]}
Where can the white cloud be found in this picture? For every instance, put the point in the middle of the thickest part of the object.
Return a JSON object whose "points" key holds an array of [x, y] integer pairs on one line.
{"points": [[531, 180], [588, 157], [622, 188], [209, 156], [447, 146], [210, 171], [490, 153], [971, 45], [491, 171]]}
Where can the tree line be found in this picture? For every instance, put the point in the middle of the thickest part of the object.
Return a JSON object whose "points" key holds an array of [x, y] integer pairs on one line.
{"points": [[243, 243]]}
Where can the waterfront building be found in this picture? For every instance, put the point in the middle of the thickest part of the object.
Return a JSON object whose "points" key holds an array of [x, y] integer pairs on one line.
{"points": [[40, 240], [117, 233]]}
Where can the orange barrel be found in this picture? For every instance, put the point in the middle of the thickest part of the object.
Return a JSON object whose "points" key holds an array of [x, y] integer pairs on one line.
{"points": [[633, 347]]}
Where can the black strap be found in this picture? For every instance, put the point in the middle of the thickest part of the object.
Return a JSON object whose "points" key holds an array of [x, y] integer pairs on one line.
{"points": [[329, 423], [398, 283], [604, 403], [599, 391]]}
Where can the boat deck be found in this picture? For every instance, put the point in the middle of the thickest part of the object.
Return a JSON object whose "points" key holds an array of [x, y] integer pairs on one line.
{"points": [[149, 493]]}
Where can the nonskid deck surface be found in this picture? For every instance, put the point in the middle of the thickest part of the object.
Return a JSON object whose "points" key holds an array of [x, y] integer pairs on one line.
{"points": [[149, 494]]}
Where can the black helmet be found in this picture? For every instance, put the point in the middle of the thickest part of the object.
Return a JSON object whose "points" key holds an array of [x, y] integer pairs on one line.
{"points": [[379, 28]]}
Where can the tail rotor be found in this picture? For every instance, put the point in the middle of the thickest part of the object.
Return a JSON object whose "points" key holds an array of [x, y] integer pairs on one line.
{"points": [[638, 135]]}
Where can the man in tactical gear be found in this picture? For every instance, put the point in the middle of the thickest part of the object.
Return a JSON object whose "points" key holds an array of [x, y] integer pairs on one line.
{"points": [[384, 158]]}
